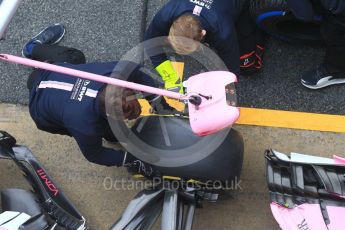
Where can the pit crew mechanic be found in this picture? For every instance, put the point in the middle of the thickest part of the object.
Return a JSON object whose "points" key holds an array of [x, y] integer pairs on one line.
{"points": [[224, 25], [66, 105], [332, 70]]}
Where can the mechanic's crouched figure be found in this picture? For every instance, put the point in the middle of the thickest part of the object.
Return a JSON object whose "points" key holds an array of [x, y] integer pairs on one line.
{"points": [[225, 25], [72, 106]]}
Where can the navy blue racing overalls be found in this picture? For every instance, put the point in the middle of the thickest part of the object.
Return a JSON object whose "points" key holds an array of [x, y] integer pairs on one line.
{"points": [[332, 27], [68, 105], [230, 30]]}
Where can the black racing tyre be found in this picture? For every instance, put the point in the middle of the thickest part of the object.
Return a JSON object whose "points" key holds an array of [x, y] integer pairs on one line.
{"points": [[274, 17], [224, 163]]}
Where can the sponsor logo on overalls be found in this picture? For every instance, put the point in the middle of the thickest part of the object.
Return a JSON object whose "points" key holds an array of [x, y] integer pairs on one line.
{"points": [[203, 3], [79, 89]]}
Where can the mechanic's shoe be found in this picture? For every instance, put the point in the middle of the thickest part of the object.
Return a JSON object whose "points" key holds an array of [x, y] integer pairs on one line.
{"points": [[50, 36], [321, 77], [136, 166]]}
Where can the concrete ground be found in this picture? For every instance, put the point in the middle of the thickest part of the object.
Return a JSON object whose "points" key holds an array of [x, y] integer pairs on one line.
{"points": [[87, 185], [105, 30]]}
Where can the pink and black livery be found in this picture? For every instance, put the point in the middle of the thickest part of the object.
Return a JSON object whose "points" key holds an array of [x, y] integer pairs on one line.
{"points": [[306, 192], [50, 195]]}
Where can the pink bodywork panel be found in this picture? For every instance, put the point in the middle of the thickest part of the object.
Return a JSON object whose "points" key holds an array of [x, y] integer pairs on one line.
{"points": [[214, 114], [302, 217]]}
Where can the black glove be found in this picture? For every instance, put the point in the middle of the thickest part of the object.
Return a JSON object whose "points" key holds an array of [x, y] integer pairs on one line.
{"points": [[160, 106], [135, 166]]}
